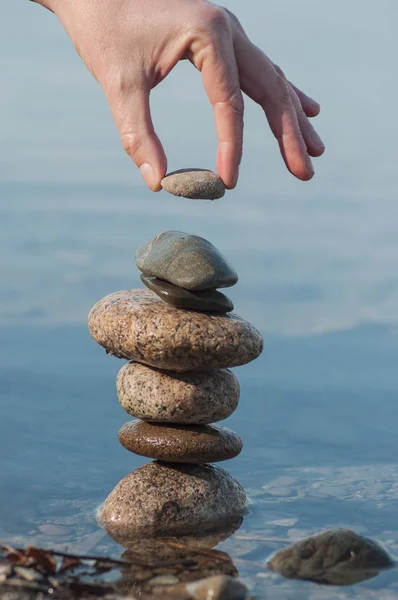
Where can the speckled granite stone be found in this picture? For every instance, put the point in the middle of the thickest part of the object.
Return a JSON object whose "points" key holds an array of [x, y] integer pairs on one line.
{"points": [[337, 557], [196, 184], [185, 260], [180, 443], [137, 325], [168, 499], [208, 301], [195, 397]]}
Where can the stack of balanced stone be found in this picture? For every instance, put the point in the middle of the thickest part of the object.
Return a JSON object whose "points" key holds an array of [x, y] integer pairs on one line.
{"points": [[181, 339]]}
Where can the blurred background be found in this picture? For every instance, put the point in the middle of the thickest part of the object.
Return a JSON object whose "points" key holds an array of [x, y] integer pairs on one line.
{"points": [[317, 264]]}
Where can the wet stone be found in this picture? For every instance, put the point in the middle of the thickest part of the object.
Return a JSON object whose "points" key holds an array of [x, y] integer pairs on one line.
{"points": [[218, 587], [208, 301], [168, 499], [185, 260], [180, 443], [194, 397], [336, 557], [137, 325], [196, 184]]}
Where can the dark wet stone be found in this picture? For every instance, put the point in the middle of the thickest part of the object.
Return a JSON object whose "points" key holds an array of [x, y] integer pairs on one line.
{"points": [[164, 499], [336, 557], [137, 325], [208, 301], [180, 443], [196, 184], [185, 260]]}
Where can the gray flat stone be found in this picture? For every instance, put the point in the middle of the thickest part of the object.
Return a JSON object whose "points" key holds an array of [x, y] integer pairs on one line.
{"points": [[336, 557], [185, 260], [196, 184], [195, 397], [193, 444], [168, 499], [208, 301], [137, 325]]}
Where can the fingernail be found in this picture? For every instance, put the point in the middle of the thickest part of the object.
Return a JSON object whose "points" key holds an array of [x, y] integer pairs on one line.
{"points": [[310, 165], [235, 178], [317, 141], [149, 175]]}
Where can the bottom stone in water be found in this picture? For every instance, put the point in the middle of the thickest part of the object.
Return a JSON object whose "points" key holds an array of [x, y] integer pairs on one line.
{"points": [[167, 499]]}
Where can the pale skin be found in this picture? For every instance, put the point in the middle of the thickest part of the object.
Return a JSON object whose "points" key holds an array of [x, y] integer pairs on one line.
{"points": [[132, 45]]}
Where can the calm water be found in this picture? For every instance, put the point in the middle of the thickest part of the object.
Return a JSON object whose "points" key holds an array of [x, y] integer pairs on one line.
{"points": [[318, 277]]}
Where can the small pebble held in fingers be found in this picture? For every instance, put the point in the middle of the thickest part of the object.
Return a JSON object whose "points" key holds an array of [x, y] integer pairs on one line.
{"points": [[185, 260], [208, 301], [196, 397], [195, 184], [180, 443]]}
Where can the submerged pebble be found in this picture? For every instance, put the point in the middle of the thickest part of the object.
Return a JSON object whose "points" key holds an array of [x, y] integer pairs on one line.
{"points": [[180, 443], [218, 587], [336, 557], [195, 397], [185, 260], [195, 184], [207, 301]]}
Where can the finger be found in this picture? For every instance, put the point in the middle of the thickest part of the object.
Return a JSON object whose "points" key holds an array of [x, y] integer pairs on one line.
{"points": [[221, 82], [261, 82], [310, 106], [315, 146], [131, 111]]}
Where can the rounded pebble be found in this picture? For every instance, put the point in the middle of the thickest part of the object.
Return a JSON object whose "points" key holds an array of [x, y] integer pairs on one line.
{"points": [[185, 260], [195, 397], [195, 184], [180, 443], [208, 301], [170, 499], [336, 557], [218, 587], [137, 325]]}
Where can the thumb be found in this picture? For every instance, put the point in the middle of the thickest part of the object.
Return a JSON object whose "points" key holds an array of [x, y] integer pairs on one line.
{"points": [[132, 114]]}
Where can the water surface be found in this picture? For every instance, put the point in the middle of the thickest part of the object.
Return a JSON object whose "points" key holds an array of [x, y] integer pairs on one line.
{"points": [[318, 277]]}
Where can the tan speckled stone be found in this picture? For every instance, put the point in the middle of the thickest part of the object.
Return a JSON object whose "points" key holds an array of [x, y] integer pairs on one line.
{"points": [[168, 499], [180, 443], [137, 325], [195, 397], [196, 184]]}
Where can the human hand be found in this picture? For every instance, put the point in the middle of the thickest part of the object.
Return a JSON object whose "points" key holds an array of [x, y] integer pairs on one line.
{"points": [[132, 45]]}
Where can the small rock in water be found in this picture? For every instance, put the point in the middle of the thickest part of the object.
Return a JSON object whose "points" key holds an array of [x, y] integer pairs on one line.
{"points": [[185, 260], [208, 301], [137, 325], [195, 397], [180, 443], [335, 557], [218, 587], [164, 499], [196, 184]]}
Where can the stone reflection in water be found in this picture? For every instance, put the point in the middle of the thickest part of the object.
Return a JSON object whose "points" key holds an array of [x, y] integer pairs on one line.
{"points": [[335, 557], [175, 565]]}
